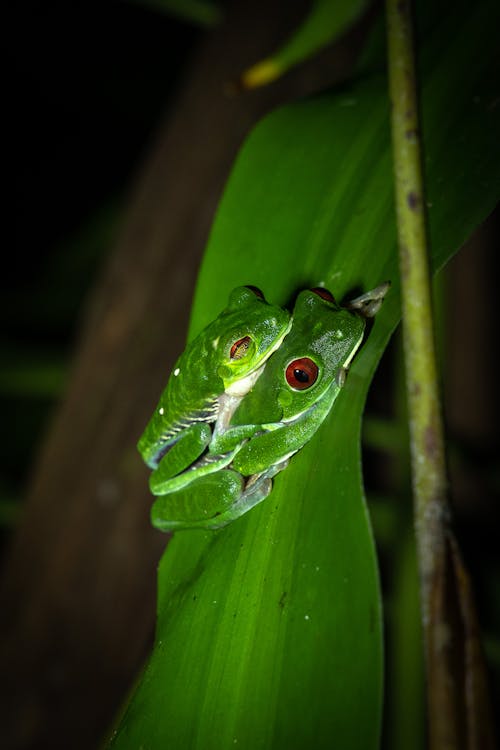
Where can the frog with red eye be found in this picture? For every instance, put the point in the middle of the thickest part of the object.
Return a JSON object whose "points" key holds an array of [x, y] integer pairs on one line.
{"points": [[209, 380], [278, 416]]}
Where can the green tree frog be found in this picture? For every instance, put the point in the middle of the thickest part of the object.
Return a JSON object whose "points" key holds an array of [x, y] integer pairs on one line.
{"points": [[281, 412], [210, 378]]}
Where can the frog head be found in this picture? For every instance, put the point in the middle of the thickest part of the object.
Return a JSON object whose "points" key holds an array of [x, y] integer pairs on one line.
{"points": [[309, 364], [317, 352], [249, 331]]}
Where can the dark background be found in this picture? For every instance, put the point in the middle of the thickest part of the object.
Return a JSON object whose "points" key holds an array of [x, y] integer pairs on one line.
{"points": [[87, 86]]}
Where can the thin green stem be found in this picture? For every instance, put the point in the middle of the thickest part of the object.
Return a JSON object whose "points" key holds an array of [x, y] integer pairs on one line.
{"points": [[426, 430], [459, 713]]}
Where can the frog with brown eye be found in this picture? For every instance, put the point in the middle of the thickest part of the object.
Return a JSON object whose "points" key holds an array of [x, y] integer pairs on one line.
{"points": [[277, 417], [210, 378]]}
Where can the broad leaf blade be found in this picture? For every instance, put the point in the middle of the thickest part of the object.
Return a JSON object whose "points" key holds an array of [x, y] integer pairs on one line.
{"points": [[269, 631]]}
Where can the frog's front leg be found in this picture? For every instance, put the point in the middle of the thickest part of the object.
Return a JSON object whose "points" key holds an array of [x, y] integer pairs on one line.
{"points": [[220, 454], [189, 460], [189, 446]]}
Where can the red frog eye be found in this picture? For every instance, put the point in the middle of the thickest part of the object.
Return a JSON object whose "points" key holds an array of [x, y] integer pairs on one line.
{"points": [[323, 293], [240, 348], [255, 290], [301, 373]]}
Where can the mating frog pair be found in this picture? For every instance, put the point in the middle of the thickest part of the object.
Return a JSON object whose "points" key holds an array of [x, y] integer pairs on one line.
{"points": [[246, 395]]}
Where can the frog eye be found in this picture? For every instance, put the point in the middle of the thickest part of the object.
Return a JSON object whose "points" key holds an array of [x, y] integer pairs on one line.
{"points": [[240, 348], [255, 290], [301, 373], [323, 293]]}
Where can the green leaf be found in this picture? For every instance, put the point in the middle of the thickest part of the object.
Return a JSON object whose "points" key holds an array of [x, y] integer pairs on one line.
{"points": [[269, 631], [325, 23]]}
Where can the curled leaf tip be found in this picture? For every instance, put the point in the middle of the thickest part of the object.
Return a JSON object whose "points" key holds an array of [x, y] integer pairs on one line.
{"points": [[261, 74]]}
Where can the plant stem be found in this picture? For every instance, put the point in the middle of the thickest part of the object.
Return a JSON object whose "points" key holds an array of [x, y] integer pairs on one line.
{"points": [[426, 430], [458, 711]]}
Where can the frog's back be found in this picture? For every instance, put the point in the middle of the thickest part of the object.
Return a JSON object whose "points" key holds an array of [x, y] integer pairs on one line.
{"points": [[191, 396]]}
